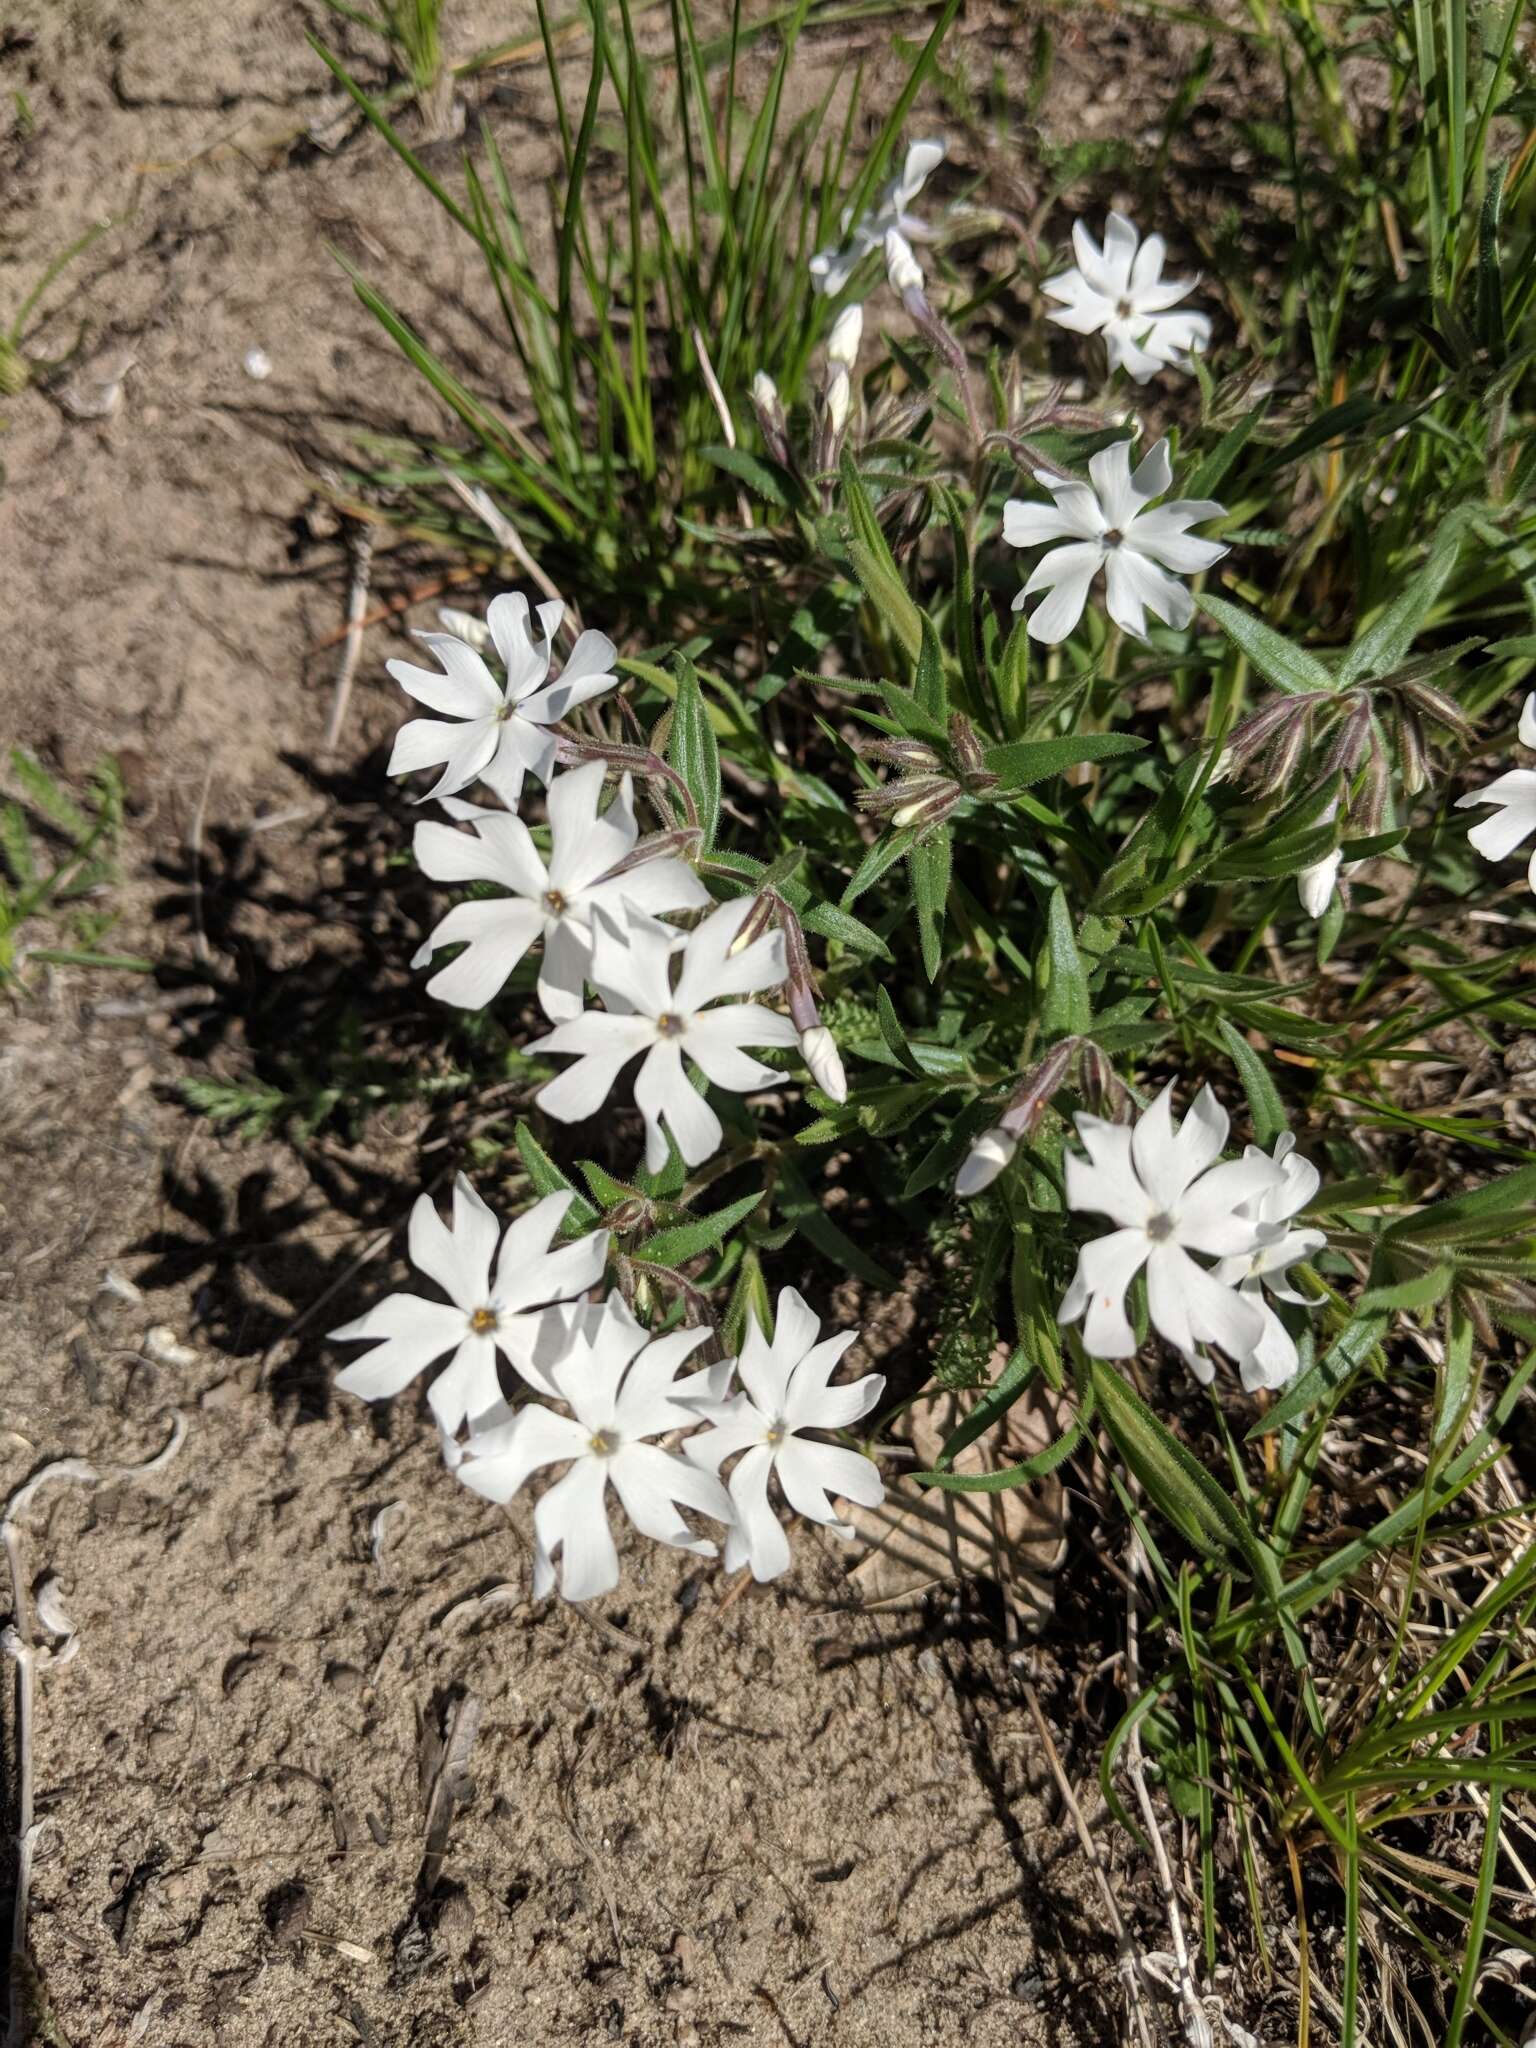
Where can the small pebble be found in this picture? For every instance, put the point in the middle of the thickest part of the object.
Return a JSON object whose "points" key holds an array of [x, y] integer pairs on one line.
{"points": [[257, 363]]}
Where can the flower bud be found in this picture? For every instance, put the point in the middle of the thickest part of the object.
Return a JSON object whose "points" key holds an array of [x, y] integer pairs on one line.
{"points": [[847, 333], [757, 921], [839, 398], [901, 266], [818, 1048], [771, 424], [1412, 752], [466, 627], [1315, 885], [1035, 1092], [1528, 721], [991, 1154]]}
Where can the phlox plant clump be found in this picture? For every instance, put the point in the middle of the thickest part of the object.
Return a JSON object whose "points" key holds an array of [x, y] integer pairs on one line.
{"points": [[1031, 817]]}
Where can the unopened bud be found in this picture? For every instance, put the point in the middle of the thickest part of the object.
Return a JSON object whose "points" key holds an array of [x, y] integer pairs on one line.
{"points": [[753, 925], [466, 627], [1528, 722], [1369, 809], [991, 1154], [965, 747], [818, 1048], [680, 842], [930, 809], [1315, 885], [901, 753], [628, 1214], [1412, 753], [901, 266], [910, 793], [847, 333], [839, 399], [1102, 1088], [769, 408], [1034, 1093], [1350, 742]]}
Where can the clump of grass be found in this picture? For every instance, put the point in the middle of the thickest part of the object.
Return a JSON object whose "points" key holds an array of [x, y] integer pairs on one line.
{"points": [[58, 855], [18, 366]]}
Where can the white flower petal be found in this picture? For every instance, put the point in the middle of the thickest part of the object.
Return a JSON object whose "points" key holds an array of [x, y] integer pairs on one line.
{"points": [[991, 1154], [1070, 571], [1106, 1182], [409, 1332], [710, 968], [1110, 472], [573, 1519], [467, 690], [664, 1094], [1135, 581], [495, 1463], [470, 1385], [1027, 525], [808, 1472], [767, 1546], [1106, 1266], [649, 1481], [498, 933], [532, 1270]]}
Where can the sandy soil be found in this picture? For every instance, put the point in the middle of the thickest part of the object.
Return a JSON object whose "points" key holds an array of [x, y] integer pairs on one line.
{"points": [[774, 1820]]}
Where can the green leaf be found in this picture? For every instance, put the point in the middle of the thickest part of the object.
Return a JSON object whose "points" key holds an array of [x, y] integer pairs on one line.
{"points": [[1493, 1209], [1022, 762], [874, 564], [605, 1190], [1179, 1485], [879, 860], [1288, 667], [1385, 645], [766, 478], [1421, 1290], [1066, 1009], [892, 1033], [1264, 1104], [687, 1240], [693, 749], [828, 922], [549, 1180], [928, 684], [929, 862], [1348, 1352]]}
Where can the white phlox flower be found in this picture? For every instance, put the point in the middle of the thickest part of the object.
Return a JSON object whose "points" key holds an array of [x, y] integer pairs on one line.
{"points": [[1107, 526], [1162, 1186], [1514, 793], [507, 731], [1274, 1359], [483, 1315], [622, 1390], [832, 268], [647, 1018], [786, 1391], [554, 902], [1119, 291]]}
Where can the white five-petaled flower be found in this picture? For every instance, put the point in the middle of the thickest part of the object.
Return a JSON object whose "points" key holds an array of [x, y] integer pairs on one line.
{"points": [[1107, 526], [832, 268], [1118, 291], [1294, 1180], [554, 902], [483, 1315], [1164, 1190], [1515, 794], [786, 1391], [622, 1391], [507, 732], [645, 1015]]}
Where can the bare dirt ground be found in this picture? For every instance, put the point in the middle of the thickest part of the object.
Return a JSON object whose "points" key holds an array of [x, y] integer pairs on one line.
{"points": [[780, 1820]]}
